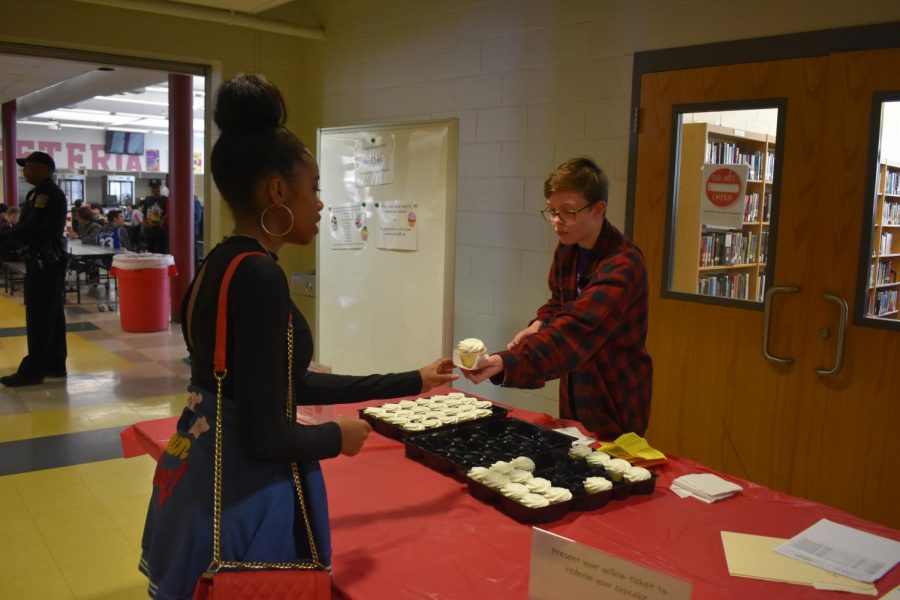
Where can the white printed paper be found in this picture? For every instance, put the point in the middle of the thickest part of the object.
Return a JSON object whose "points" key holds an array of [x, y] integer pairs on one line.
{"points": [[397, 226], [347, 224], [562, 568], [374, 158], [843, 550]]}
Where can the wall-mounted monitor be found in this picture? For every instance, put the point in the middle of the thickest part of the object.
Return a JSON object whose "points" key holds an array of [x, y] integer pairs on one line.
{"points": [[124, 142]]}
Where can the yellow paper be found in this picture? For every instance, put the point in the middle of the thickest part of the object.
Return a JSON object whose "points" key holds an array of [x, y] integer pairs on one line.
{"points": [[754, 556], [634, 449]]}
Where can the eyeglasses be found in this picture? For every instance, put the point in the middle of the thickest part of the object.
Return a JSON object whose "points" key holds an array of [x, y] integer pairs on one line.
{"points": [[565, 216]]}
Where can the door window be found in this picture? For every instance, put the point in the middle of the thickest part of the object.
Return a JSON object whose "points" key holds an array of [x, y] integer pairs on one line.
{"points": [[723, 202], [882, 285]]}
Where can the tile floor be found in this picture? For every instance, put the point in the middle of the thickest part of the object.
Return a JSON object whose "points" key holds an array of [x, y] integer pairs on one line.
{"points": [[71, 508]]}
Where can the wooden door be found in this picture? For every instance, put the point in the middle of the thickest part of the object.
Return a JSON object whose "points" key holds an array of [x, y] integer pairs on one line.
{"points": [[715, 397]]}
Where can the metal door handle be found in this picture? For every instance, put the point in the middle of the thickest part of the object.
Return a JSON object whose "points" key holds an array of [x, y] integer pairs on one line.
{"points": [[767, 318], [842, 331]]}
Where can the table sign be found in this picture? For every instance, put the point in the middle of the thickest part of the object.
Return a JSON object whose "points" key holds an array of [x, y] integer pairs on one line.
{"points": [[561, 568]]}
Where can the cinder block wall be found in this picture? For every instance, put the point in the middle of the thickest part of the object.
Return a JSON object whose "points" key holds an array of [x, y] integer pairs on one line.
{"points": [[532, 82]]}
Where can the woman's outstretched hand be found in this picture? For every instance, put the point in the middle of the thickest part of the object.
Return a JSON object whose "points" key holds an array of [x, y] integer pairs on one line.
{"points": [[353, 434], [440, 372]]}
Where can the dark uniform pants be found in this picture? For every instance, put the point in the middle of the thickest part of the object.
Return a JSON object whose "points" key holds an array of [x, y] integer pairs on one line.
{"points": [[45, 320]]}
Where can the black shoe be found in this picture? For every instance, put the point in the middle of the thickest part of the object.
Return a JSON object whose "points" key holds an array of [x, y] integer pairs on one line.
{"points": [[62, 373], [18, 380]]}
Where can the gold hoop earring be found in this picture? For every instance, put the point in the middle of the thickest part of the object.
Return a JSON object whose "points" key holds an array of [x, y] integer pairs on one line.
{"points": [[262, 220]]}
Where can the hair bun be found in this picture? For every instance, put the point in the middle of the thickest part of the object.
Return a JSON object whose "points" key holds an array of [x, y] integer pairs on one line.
{"points": [[249, 103]]}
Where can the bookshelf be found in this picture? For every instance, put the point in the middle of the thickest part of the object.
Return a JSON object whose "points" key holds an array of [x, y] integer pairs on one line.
{"points": [[884, 285], [716, 262]]}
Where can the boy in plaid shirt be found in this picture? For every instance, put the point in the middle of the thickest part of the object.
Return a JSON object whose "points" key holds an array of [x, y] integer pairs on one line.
{"points": [[591, 333]]}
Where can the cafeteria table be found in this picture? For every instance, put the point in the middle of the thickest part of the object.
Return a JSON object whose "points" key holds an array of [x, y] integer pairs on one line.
{"points": [[401, 530], [84, 256]]}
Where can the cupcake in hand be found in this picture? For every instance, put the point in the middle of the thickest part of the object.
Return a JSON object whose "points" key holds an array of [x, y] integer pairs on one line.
{"points": [[470, 350]]}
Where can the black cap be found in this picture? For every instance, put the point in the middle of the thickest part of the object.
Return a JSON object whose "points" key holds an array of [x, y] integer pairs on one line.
{"points": [[38, 157], [155, 183]]}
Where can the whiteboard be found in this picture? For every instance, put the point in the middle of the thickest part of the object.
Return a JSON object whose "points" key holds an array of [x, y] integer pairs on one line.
{"points": [[386, 310]]}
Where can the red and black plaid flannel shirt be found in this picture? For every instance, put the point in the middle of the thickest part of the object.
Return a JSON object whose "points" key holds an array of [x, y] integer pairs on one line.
{"points": [[595, 342]]}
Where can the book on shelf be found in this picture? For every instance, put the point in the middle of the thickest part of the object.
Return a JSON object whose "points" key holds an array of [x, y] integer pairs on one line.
{"points": [[881, 273], [728, 153], [735, 286], [770, 166], [883, 303], [751, 208], [887, 242], [892, 183], [767, 207], [890, 214], [728, 248], [764, 247]]}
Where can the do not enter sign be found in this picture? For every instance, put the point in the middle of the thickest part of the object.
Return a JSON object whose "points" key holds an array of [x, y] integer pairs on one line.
{"points": [[723, 187], [722, 195]]}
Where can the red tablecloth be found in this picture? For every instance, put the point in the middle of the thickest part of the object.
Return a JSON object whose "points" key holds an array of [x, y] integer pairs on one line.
{"points": [[403, 531]]}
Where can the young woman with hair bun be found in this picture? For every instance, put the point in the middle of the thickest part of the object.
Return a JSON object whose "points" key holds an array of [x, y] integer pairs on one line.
{"points": [[269, 180]]}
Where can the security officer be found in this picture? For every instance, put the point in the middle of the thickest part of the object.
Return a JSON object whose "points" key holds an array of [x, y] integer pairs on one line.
{"points": [[38, 239]]}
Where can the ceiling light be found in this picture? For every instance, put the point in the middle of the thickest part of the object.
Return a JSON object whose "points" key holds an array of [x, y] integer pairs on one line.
{"points": [[80, 126], [131, 100]]}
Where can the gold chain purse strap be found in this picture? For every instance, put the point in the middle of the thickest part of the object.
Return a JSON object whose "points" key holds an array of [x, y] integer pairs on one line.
{"points": [[220, 372]]}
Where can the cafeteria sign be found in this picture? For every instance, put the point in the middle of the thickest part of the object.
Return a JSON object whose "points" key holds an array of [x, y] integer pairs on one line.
{"points": [[722, 194]]}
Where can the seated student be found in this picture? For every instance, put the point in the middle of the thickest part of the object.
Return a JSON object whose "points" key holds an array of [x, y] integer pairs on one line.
{"points": [[98, 212], [88, 225], [12, 215], [115, 233]]}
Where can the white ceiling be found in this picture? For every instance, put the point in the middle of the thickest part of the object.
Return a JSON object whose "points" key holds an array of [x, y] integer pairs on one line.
{"points": [[144, 108]]}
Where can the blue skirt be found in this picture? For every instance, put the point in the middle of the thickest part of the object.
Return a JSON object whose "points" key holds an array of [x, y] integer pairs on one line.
{"points": [[259, 506]]}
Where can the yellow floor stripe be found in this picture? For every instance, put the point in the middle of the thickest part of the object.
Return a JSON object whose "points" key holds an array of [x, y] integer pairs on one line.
{"points": [[84, 355], [76, 419], [12, 313]]}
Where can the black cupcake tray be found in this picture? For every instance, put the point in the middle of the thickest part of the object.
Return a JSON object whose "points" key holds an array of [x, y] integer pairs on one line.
{"points": [[457, 449], [565, 472]]}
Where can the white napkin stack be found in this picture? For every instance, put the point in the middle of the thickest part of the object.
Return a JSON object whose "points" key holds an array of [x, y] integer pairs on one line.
{"points": [[704, 486]]}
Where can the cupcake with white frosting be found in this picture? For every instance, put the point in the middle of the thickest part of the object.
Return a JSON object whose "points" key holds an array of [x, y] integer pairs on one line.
{"points": [[470, 350], [515, 491], [557, 494], [598, 459], [635, 474], [595, 485], [578, 451], [523, 462], [616, 468], [538, 484]]}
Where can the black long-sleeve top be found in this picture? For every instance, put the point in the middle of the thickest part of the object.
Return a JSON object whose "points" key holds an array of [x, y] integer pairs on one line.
{"points": [[256, 357]]}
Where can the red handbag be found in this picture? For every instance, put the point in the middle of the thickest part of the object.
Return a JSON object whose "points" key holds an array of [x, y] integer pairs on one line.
{"points": [[255, 580], [264, 585]]}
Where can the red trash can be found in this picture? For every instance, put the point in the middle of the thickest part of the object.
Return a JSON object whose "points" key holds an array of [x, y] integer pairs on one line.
{"points": [[144, 296]]}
